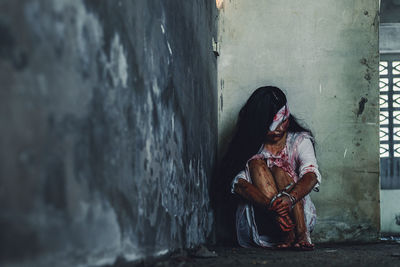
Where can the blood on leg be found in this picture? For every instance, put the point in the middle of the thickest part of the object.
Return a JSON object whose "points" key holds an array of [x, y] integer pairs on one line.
{"points": [[282, 178], [303, 240], [262, 177]]}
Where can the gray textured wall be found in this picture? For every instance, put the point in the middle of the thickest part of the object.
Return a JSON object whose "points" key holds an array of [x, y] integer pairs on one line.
{"points": [[324, 55], [108, 122]]}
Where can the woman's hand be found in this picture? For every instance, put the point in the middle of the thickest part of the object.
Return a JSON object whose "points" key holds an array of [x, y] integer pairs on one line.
{"points": [[285, 223], [282, 206]]}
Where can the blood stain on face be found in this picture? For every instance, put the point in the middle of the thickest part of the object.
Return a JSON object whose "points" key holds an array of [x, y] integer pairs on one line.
{"points": [[279, 132]]}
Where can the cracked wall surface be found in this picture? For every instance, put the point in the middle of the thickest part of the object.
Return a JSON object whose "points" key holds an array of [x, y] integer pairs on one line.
{"points": [[325, 56], [108, 121]]}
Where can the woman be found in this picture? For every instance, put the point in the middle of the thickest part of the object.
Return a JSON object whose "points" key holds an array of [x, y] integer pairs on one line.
{"points": [[272, 163]]}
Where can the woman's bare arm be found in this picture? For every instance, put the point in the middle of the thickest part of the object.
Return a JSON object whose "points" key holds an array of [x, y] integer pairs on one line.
{"points": [[251, 193], [303, 187]]}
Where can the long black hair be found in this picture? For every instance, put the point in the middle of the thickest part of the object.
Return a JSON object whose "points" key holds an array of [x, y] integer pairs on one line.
{"points": [[251, 128], [252, 125]]}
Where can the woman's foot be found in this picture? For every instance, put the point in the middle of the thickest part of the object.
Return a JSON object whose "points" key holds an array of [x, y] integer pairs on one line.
{"points": [[304, 243], [287, 243]]}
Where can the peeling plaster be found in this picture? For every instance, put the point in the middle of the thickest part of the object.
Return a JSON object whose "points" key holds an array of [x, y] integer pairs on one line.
{"points": [[118, 63]]}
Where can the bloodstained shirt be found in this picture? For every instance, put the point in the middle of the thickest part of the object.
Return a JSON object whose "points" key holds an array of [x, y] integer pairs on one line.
{"points": [[296, 158]]}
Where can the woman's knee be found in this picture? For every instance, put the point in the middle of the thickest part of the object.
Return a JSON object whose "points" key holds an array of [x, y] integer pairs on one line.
{"points": [[257, 163], [282, 178], [277, 170]]}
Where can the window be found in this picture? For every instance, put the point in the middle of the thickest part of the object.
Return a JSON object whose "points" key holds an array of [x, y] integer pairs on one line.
{"points": [[389, 119]]}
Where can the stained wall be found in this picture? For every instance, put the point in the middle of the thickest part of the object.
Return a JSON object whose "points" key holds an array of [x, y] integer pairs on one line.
{"points": [[324, 55], [108, 120]]}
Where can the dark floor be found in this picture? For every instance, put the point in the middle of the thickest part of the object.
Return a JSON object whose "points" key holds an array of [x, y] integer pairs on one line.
{"points": [[378, 254]]}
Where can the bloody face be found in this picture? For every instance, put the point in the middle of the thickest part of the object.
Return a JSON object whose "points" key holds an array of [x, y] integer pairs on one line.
{"points": [[274, 136]]}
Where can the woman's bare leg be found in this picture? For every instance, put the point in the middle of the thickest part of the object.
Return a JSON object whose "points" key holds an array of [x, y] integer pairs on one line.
{"points": [[282, 180], [303, 240], [262, 178], [265, 182]]}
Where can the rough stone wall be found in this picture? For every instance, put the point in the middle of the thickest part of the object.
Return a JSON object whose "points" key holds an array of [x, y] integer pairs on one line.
{"points": [[324, 55], [108, 121]]}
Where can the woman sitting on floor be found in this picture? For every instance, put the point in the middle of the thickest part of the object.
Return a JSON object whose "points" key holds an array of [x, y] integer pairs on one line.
{"points": [[272, 163]]}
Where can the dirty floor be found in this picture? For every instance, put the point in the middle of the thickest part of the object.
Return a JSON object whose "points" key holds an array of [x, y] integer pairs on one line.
{"points": [[377, 254]]}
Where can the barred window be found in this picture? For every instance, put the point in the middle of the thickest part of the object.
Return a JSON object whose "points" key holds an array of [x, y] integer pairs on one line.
{"points": [[389, 119]]}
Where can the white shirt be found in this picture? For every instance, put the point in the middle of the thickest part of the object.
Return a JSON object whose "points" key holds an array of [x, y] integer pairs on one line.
{"points": [[297, 158]]}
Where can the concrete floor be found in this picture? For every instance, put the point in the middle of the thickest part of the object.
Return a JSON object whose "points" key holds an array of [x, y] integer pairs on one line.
{"points": [[377, 254]]}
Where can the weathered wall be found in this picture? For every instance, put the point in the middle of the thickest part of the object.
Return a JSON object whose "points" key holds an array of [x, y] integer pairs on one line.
{"points": [[390, 212], [324, 54], [108, 129]]}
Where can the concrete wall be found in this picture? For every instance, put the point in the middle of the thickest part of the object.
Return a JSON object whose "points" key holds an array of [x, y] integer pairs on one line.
{"points": [[108, 120], [390, 212], [324, 54]]}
